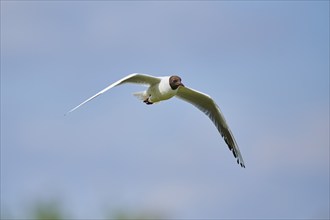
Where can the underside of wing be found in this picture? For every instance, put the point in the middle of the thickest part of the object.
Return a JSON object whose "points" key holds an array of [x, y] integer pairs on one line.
{"points": [[132, 78], [206, 104]]}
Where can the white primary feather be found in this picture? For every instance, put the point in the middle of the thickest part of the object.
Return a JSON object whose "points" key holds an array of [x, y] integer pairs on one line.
{"points": [[206, 104], [132, 78]]}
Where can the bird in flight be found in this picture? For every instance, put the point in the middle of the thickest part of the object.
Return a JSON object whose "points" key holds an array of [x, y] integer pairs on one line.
{"points": [[163, 88]]}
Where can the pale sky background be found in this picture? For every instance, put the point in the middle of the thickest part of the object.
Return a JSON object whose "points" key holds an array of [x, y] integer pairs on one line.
{"points": [[265, 63]]}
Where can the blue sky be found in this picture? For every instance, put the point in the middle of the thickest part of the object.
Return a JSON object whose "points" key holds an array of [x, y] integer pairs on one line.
{"points": [[266, 64]]}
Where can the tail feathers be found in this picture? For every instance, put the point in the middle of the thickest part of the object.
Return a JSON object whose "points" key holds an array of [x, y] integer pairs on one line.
{"points": [[141, 95]]}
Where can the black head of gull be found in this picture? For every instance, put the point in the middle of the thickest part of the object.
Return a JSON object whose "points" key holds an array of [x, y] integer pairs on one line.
{"points": [[175, 82]]}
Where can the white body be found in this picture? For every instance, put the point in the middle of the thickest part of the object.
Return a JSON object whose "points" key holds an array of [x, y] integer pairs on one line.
{"points": [[158, 92]]}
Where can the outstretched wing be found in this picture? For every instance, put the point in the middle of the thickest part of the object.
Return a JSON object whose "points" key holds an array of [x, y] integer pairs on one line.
{"points": [[132, 78], [206, 104]]}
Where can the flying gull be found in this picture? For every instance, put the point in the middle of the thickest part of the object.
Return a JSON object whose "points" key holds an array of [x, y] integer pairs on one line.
{"points": [[163, 88]]}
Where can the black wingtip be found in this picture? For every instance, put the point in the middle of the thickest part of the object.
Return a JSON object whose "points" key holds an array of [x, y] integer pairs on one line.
{"points": [[240, 163], [234, 153]]}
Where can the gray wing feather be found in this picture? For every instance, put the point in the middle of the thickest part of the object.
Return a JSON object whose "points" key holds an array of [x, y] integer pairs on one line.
{"points": [[132, 78], [206, 104]]}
